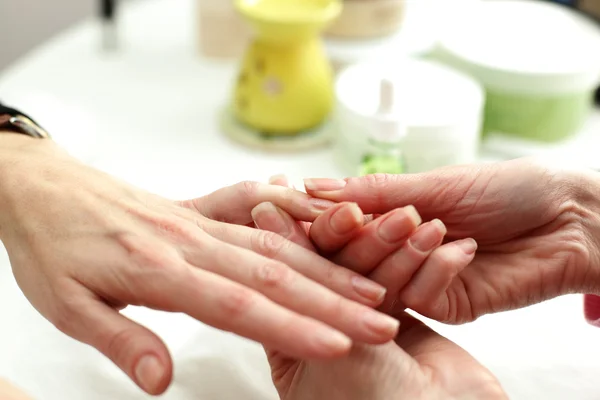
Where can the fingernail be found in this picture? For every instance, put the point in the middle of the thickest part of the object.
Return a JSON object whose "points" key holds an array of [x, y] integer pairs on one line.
{"points": [[347, 218], [380, 324], [428, 236], [368, 289], [321, 204], [267, 217], [399, 225], [149, 372], [468, 246], [324, 185], [333, 340], [592, 309], [279, 179]]}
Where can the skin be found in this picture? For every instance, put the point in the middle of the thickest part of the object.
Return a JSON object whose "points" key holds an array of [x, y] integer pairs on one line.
{"points": [[84, 245], [419, 363], [537, 228], [10, 392]]}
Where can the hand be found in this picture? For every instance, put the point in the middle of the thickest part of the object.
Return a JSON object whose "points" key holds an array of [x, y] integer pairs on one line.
{"points": [[394, 249], [9, 392], [420, 363], [536, 230], [84, 245]]}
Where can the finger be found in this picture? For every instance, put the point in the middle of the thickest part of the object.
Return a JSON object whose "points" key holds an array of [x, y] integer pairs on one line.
{"points": [[273, 219], [377, 240], [132, 347], [397, 270], [233, 204], [235, 307], [288, 288], [336, 227], [316, 268], [433, 193], [282, 180], [426, 291]]}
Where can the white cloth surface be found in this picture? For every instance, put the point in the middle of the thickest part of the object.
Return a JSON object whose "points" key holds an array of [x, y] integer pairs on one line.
{"points": [[148, 115]]}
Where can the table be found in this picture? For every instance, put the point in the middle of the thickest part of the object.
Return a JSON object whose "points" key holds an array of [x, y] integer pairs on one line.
{"points": [[148, 114]]}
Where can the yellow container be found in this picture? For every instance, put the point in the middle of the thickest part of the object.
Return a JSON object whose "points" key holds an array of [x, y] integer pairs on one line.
{"points": [[285, 85]]}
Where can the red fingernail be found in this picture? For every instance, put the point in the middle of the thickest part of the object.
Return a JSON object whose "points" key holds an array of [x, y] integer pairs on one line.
{"points": [[592, 309]]}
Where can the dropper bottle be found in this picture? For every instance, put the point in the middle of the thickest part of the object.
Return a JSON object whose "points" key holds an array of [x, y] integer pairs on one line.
{"points": [[385, 130]]}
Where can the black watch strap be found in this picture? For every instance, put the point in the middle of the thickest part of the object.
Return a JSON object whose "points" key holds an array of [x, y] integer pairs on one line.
{"points": [[14, 120], [14, 112]]}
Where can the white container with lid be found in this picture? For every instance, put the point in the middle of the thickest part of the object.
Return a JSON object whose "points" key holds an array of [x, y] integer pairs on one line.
{"points": [[539, 63], [442, 110]]}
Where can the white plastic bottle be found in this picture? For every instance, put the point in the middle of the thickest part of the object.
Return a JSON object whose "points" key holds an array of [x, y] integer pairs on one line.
{"points": [[386, 131]]}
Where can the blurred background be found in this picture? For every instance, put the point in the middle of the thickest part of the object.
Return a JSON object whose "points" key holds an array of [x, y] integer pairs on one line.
{"points": [[43, 19], [181, 97]]}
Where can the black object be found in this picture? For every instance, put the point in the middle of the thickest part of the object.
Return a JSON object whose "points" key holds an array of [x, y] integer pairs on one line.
{"points": [[108, 9], [11, 111]]}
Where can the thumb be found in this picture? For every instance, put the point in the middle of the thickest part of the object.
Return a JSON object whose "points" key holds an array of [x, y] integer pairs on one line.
{"points": [[234, 204], [133, 348], [432, 193]]}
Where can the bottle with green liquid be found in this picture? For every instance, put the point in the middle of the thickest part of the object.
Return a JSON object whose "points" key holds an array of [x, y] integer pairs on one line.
{"points": [[385, 131]]}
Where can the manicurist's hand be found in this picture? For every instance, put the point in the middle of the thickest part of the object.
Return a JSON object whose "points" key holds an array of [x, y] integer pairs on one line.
{"points": [[419, 364], [537, 227], [84, 245]]}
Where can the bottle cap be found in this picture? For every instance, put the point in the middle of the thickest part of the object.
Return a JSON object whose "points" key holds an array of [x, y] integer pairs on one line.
{"points": [[387, 125]]}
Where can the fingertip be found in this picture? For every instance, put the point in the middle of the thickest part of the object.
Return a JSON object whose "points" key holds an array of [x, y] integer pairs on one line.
{"points": [[467, 246], [260, 210], [413, 215], [440, 225], [279, 180], [331, 344], [152, 375]]}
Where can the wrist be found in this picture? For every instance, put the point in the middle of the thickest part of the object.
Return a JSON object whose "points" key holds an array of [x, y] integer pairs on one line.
{"points": [[20, 156]]}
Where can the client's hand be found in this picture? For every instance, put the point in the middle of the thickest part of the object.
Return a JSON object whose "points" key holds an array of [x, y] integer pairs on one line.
{"points": [[420, 364], [83, 245]]}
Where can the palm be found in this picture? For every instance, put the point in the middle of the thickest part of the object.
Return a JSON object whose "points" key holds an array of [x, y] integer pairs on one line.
{"points": [[420, 364]]}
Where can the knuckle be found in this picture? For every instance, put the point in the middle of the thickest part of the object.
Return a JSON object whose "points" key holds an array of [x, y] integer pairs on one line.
{"points": [[143, 253], [274, 275], [236, 303], [118, 346], [65, 314], [377, 180], [269, 244]]}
